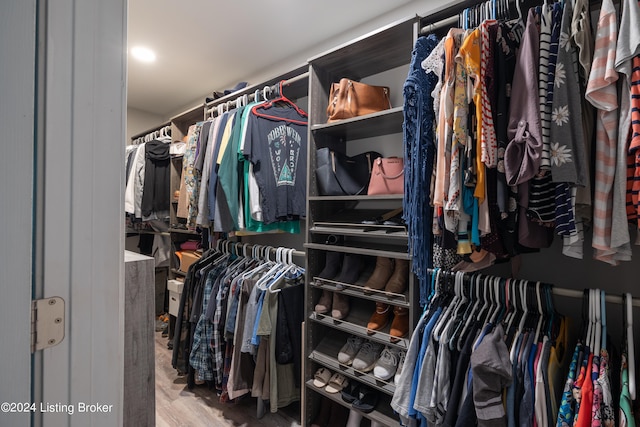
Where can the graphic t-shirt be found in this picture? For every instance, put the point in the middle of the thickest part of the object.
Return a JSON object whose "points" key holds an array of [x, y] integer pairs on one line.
{"points": [[278, 151]]}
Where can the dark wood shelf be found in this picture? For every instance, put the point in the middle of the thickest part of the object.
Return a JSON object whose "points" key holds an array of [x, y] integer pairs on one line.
{"points": [[384, 122], [182, 231], [326, 354], [380, 50], [364, 198], [178, 272], [356, 324], [389, 251], [378, 415], [358, 230], [357, 291]]}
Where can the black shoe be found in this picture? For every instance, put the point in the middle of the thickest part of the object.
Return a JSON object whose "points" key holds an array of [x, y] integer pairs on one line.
{"points": [[351, 269], [367, 400], [350, 392], [332, 264]]}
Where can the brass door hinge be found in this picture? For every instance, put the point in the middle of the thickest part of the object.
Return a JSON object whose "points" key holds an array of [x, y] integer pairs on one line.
{"points": [[47, 323]]}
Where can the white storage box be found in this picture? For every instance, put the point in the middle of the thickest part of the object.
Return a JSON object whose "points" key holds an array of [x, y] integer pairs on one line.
{"points": [[175, 292]]}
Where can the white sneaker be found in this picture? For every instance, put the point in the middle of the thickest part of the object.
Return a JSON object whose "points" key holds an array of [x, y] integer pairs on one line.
{"points": [[366, 358], [350, 349], [387, 365], [401, 356]]}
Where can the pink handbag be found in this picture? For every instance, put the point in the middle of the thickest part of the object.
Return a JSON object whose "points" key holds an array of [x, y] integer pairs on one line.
{"points": [[387, 176]]}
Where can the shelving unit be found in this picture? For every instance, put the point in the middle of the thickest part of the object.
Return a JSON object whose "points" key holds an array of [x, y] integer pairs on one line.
{"points": [[375, 59]]}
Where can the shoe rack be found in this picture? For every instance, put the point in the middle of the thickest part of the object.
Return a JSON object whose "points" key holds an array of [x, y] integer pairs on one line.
{"points": [[334, 222]]}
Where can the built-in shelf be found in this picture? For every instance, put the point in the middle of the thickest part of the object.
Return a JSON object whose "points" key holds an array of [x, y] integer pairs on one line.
{"points": [[398, 233], [388, 251], [326, 354], [386, 48], [178, 272], [375, 124], [183, 231], [378, 415], [356, 324], [365, 198], [357, 291]]}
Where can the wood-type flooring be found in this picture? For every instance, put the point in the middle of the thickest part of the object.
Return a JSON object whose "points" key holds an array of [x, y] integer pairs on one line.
{"points": [[177, 406]]}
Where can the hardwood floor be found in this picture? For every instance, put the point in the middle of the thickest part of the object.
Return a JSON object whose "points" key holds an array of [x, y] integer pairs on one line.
{"points": [[177, 406]]}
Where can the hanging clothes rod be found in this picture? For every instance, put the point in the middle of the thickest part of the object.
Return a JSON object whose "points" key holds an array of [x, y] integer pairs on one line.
{"points": [[251, 95], [238, 246], [158, 132], [564, 292], [430, 28]]}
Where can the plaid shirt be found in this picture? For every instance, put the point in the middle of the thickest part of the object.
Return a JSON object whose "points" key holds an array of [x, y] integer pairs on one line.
{"points": [[200, 357], [217, 342]]}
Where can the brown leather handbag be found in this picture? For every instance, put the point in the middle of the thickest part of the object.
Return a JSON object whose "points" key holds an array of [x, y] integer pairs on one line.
{"points": [[387, 176], [352, 99]]}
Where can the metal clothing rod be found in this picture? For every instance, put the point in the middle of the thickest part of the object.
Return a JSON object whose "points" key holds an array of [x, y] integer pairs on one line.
{"points": [[165, 129], [564, 292], [430, 28], [209, 113], [272, 249]]}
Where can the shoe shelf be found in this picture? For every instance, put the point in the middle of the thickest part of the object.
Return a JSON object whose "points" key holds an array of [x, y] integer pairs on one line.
{"points": [[326, 354], [384, 418], [382, 250], [356, 290], [384, 122], [360, 230], [356, 324]]}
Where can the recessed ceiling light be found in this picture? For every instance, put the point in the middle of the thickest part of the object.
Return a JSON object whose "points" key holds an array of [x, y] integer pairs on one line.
{"points": [[143, 54]]}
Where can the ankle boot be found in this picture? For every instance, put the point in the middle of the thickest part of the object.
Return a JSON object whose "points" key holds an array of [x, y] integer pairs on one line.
{"points": [[380, 275], [325, 302], [340, 306], [400, 324], [332, 263], [380, 317], [398, 281], [351, 268]]}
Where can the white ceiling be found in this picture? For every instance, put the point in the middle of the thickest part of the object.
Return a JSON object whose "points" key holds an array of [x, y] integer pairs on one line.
{"points": [[207, 45]]}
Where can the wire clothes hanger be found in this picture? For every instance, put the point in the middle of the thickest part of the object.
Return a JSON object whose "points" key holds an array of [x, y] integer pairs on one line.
{"points": [[258, 109]]}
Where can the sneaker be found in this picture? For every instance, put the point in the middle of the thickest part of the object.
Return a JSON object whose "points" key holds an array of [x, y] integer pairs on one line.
{"points": [[366, 358], [401, 358], [349, 350], [387, 365]]}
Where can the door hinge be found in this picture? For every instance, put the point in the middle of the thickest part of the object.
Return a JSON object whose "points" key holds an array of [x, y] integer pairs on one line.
{"points": [[47, 323]]}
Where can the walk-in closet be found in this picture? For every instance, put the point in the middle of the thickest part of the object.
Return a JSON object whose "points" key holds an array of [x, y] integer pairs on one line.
{"points": [[426, 217]]}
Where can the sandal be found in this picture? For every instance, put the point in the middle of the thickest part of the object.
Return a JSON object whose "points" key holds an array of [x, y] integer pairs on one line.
{"points": [[337, 383], [367, 400], [321, 377]]}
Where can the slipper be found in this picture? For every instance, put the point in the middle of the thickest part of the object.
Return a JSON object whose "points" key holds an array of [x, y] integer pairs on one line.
{"points": [[337, 383], [350, 392], [321, 377], [367, 400]]}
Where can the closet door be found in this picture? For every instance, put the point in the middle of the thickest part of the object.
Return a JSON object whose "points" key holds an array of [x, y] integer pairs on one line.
{"points": [[17, 89], [62, 116]]}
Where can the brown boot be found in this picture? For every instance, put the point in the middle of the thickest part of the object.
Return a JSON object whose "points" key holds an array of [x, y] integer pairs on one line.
{"points": [[400, 277], [324, 303], [380, 275], [400, 324], [340, 306], [379, 318]]}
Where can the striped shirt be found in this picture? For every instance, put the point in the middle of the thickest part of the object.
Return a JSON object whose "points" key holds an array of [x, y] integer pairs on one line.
{"points": [[488, 140], [602, 93], [633, 160]]}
